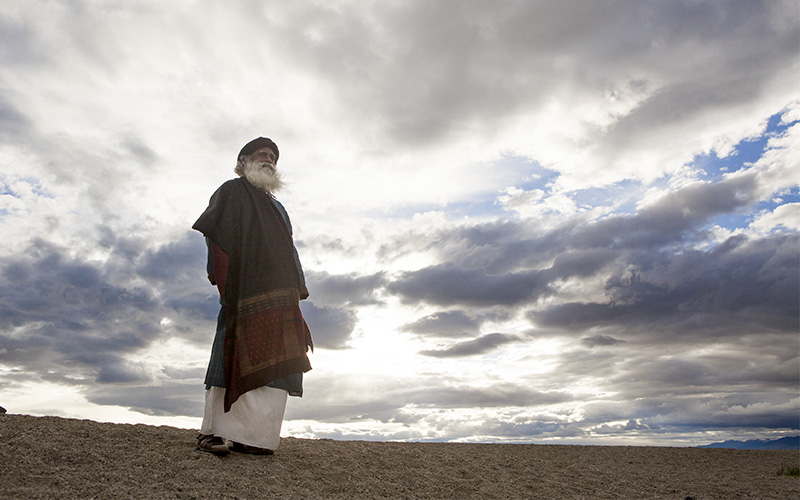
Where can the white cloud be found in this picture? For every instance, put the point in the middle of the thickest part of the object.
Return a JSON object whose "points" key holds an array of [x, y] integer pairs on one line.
{"points": [[784, 217]]}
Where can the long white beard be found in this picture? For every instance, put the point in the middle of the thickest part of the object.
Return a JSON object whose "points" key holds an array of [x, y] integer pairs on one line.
{"points": [[263, 175]]}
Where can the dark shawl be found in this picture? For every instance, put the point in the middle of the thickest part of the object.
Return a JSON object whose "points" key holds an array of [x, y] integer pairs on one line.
{"points": [[266, 336]]}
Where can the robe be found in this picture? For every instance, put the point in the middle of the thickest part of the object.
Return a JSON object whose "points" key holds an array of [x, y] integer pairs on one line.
{"points": [[266, 336]]}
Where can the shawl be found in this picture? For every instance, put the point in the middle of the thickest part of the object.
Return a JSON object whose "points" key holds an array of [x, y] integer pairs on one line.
{"points": [[266, 336]]}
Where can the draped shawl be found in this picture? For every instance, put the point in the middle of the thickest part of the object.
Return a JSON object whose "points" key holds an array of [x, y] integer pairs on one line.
{"points": [[266, 336]]}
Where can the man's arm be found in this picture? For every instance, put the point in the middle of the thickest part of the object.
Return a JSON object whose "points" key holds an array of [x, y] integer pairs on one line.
{"points": [[217, 266], [210, 263]]}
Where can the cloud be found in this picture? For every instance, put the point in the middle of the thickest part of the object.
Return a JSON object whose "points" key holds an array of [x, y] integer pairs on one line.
{"points": [[486, 397], [388, 401], [591, 206], [672, 415], [600, 340], [331, 328], [168, 400], [337, 290], [480, 345], [444, 324], [182, 259], [12, 121], [81, 317], [738, 287], [448, 284], [121, 372]]}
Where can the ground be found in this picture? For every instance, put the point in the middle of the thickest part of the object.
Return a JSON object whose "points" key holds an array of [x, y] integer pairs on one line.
{"points": [[50, 457]]}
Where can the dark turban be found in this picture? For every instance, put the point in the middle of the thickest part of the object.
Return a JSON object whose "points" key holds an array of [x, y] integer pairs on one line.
{"points": [[256, 144]]}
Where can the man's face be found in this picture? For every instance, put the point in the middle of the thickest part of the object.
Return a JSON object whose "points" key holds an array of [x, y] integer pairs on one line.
{"points": [[264, 156], [261, 171]]}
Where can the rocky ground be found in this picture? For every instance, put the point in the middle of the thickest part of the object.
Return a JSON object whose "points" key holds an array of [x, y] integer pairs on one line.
{"points": [[50, 457]]}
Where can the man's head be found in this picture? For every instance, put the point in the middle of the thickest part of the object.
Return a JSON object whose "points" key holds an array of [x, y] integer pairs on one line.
{"points": [[256, 162], [258, 143]]}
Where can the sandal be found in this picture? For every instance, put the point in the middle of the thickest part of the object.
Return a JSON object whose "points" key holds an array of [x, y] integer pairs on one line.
{"points": [[212, 444]]}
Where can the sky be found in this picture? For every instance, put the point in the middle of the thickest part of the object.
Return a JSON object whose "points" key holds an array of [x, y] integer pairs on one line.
{"points": [[568, 222]]}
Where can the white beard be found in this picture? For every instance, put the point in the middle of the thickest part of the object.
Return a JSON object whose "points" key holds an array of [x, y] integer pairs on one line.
{"points": [[263, 175]]}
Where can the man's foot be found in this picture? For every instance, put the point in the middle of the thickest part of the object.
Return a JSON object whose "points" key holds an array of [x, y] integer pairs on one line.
{"points": [[252, 450], [212, 444]]}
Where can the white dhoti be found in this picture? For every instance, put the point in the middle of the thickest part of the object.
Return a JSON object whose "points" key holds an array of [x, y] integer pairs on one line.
{"points": [[254, 419]]}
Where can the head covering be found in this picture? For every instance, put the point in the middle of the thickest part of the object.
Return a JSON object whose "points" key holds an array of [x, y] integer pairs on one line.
{"points": [[256, 144]]}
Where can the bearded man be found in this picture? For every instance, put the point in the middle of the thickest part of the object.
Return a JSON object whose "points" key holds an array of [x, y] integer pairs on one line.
{"points": [[260, 348]]}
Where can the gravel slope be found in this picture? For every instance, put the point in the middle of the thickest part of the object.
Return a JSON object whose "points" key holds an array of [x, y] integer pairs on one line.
{"points": [[50, 457]]}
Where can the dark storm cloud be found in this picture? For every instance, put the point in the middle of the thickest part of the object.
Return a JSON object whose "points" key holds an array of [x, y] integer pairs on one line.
{"points": [[675, 413], [682, 384], [43, 278], [449, 284], [338, 289], [164, 400], [197, 305], [182, 259], [677, 215], [523, 429], [726, 80], [739, 287], [177, 269], [475, 64], [498, 246], [458, 284], [666, 291], [121, 372], [444, 324], [699, 374], [600, 340], [721, 321], [641, 256], [480, 345], [330, 327], [62, 314]]}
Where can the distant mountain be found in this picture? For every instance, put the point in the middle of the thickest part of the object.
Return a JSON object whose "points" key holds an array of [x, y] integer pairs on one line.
{"points": [[786, 443]]}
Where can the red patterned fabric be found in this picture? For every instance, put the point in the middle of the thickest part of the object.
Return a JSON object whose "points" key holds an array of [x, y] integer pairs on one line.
{"points": [[252, 358]]}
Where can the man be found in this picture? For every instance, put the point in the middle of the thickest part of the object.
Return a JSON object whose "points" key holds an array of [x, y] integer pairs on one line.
{"points": [[260, 348]]}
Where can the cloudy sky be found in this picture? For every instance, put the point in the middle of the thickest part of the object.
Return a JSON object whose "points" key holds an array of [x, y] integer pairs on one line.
{"points": [[568, 222]]}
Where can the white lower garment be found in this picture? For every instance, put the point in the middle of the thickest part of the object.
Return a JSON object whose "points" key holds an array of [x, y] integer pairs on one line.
{"points": [[254, 419]]}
